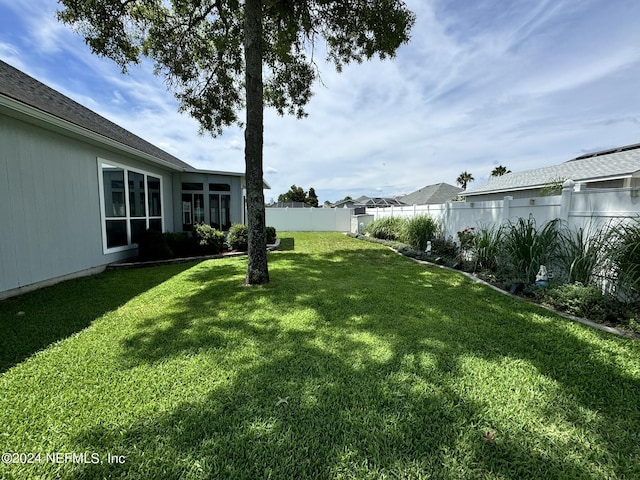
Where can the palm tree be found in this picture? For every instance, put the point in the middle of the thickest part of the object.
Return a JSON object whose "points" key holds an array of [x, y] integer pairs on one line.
{"points": [[499, 171], [463, 179]]}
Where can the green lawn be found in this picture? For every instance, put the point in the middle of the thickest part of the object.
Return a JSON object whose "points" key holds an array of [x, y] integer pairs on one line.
{"points": [[354, 362]]}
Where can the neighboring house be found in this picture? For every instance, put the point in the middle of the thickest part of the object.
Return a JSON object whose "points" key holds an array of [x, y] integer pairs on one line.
{"points": [[614, 168], [288, 205], [77, 190], [347, 203], [379, 202], [431, 195]]}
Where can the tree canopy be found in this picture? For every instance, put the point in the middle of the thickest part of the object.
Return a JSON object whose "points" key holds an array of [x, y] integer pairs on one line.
{"points": [[463, 179], [297, 194], [499, 171], [221, 57]]}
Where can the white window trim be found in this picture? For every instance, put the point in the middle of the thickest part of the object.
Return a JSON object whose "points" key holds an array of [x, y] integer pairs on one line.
{"points": [[127, 217]]}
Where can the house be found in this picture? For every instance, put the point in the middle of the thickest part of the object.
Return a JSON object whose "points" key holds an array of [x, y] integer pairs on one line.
{"points": [[76, 190], [613, 168], [431, 195], [288, 205]]}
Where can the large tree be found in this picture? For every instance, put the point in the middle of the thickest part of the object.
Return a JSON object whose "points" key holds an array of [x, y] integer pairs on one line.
{"points": [[213, 53], [297, 194]]}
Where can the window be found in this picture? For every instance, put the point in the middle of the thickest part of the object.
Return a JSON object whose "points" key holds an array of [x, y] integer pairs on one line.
{"points": [[128, 207], [219, 203], [192, 205]]}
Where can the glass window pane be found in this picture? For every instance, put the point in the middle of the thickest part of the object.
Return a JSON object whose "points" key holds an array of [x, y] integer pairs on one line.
{"points": [[155, 224], [153, 187], [214, 211], [116, 233], [191, 186], [187, 208], [219, 187], [113, 185], [198, 208], [225, 211], [137, 229], [136, 194]]}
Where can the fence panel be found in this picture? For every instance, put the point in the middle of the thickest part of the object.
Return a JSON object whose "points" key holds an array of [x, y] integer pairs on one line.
{"points": [[575, 206], [309, 219]]}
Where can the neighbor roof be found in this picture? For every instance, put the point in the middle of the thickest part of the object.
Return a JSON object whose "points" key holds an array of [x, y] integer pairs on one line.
{"points": [[606, 165], [431, 194], [21, 87]]}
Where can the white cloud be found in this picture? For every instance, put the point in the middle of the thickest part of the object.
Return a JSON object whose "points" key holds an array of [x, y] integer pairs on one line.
{"points": [[519, 84]]}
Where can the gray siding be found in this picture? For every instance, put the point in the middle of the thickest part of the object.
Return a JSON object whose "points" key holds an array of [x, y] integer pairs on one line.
{"points": [[50, 206], [236, 206]]}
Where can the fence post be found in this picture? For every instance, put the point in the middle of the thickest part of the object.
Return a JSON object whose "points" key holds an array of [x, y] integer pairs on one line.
{"points": [[565, 199], [506, 206]]}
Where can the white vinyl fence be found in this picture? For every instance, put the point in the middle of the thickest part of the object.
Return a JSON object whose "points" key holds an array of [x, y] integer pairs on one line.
{"points": [[309, 219], [575, 206]]}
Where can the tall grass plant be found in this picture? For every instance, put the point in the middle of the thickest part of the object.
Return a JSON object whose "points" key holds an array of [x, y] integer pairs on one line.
{"points": [[527, 246], [419, 230]]}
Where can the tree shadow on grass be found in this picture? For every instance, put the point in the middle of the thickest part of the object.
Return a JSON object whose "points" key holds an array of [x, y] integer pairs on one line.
{"points": [[333, 381], [35, 320]]}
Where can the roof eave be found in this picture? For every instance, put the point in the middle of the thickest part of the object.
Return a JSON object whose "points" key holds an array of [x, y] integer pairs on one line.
{"points": [[38, 117]]}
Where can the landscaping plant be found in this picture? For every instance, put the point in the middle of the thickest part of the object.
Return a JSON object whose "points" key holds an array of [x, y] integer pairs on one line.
{"points": [[238, 237], [486, 245], [210, 240], [387, 228], [271, 235], [585, 254], [526, 247], [419, 230], [626, 258]]}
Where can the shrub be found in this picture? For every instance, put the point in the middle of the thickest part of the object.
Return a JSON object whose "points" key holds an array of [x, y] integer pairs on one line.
{"points": [[238, 237], [387, 228], [182, 244], [210, 240], [584, 301], [417, 231], [465, 237], [271, 235], [152, 245], [444, 248]]}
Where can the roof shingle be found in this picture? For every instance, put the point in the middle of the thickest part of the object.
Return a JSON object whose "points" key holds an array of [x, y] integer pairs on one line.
{"points": [[19, 86]]}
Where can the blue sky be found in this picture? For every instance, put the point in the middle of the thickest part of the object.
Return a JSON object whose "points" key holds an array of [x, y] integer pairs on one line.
{"points": [[520, 83]]}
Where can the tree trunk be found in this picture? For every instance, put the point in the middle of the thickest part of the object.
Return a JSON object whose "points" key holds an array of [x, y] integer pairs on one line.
{"points": [[257, 269]]}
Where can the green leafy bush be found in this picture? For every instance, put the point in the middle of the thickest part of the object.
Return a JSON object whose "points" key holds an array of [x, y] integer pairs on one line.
{"points": [[387, 228], [466, 238], [444, 248], [271, 235], [238, 237], [584, 301], [153, 245], [210, 240], [417, 231], [182, 244]]}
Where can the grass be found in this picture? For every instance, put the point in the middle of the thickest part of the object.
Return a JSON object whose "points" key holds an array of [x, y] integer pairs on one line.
{"points": [[354, 362]]}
